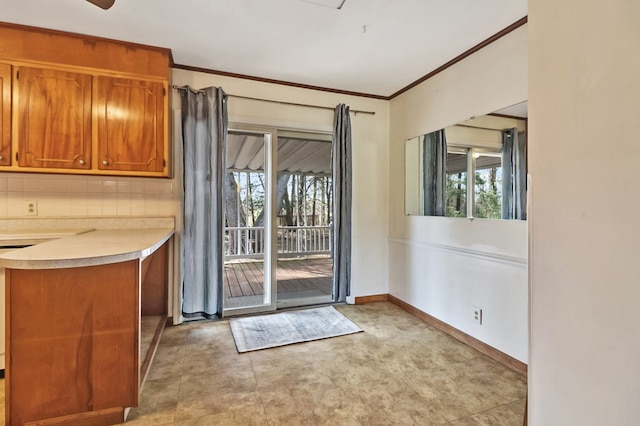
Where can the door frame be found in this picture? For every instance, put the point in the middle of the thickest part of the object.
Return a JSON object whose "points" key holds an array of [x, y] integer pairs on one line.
{"points": [[271, 135]]}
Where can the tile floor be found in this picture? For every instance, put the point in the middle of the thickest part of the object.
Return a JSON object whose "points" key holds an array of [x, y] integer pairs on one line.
{"points": [[399, 371]]}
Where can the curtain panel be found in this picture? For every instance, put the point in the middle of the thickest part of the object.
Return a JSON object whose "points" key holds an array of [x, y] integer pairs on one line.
{"points": [[204, 138], [435, 173], [342, 187], [514, 175]]}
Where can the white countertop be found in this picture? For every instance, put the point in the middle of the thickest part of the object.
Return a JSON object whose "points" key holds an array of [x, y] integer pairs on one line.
{"points": [[88, 249], [25, 237]]}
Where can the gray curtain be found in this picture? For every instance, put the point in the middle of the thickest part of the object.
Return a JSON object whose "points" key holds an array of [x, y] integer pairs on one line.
{"points": [[514, 174], [204, 138], [341, 163], [435, 173]]}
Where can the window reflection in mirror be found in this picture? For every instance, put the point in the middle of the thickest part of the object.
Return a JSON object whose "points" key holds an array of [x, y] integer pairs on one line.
{"points": [[456, 200], [485, 171]]}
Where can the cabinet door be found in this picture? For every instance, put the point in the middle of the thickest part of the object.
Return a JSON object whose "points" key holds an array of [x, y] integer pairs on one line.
{"points": [[131, 116], [54, 118], [5, 115]]}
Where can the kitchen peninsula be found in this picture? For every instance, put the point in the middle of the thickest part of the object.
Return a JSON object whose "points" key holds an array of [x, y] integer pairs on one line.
{"points": [[75, 310]]}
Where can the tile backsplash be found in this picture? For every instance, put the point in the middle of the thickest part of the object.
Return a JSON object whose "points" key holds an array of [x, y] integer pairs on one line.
{"points": [[82, 196]]}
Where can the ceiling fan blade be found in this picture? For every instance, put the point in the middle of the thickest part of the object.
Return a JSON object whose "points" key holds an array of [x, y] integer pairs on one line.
{"points": [[104, 4]]}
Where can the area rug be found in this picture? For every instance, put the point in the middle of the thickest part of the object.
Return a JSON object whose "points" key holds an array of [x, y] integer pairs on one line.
{"points": [[285, 328]]}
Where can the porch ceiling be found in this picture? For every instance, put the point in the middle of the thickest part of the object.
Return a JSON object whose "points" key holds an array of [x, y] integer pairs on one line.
{"points": [[245, 152]]}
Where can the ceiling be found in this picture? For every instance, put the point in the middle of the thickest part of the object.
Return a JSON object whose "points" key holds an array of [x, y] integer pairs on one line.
{"points": [[245, 152], [374, 47]]}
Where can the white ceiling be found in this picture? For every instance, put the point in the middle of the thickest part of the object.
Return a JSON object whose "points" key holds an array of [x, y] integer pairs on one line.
{"points": [[367, 46]]}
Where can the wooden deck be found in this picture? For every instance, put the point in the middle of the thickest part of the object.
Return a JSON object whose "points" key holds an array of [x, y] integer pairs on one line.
{"points": [[244, 278]]}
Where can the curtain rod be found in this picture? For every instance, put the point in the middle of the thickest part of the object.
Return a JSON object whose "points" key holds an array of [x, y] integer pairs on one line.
{"points": [[477, 127], [355, 111]]}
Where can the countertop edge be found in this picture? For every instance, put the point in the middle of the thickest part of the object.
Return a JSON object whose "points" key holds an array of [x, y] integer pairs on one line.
{"points": [[75, 262]]}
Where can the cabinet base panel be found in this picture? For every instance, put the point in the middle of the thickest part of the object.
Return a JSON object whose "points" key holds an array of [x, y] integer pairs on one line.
{"points": [[106, 417]]}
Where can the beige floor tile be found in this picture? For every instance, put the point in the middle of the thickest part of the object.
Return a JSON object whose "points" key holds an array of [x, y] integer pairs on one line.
{"points": [[248, 416], [197, 406], [167, 363], [307, 407], [158, 403], [505, 415], [465, 388]]}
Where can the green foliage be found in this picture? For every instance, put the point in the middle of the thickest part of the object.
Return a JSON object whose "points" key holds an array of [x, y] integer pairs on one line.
{"points": [[488, 196], [456, 201]]}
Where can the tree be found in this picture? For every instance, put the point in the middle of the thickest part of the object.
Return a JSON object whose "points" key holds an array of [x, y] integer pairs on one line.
{"points": [[488, 203], [281, 189], [456, 195]]}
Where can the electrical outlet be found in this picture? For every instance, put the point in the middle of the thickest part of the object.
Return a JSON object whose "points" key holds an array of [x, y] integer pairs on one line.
{"points": [[31, 208], [477, 315]]}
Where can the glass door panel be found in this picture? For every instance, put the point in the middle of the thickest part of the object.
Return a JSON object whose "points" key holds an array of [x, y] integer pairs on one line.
{"points": [[247, 271], [304, 205]]}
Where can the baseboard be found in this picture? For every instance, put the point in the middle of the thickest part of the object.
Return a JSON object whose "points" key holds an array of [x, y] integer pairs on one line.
{"points": [[361, 300], [497, 355]]}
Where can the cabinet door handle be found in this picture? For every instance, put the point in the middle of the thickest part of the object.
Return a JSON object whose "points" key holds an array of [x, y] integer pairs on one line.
{"points": [[1, 158], [81, 162], [105, 162]]}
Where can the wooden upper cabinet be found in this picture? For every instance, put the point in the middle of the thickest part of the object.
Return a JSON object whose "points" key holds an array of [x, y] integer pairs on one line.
{"points": [[131, 124], [54, 118], [5, 115], [78, 104]]}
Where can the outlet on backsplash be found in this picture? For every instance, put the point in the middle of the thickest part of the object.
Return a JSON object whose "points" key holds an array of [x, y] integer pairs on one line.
{"points": [[31, 208]]}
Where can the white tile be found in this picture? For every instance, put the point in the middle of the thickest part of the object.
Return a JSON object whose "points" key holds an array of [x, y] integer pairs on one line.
{"points": [[94, 210], [93, 199], [137, 209], [124, 198], [76, 185], [32, 185], [52, 183], [15, 184], [152, 187], [124, 210], [137, 186], [110, 199], [4, 205], [165, 186], [109, 186], [94, 186], [124, 186], [78, 210], [137, 198], [109, 210]]}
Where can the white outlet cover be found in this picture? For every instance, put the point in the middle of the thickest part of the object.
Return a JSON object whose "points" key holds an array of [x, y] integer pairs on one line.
{"points": [[31, 208], [477, 315]]}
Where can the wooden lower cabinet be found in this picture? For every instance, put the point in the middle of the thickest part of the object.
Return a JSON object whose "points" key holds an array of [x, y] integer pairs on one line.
{"points": [[73, 340]]}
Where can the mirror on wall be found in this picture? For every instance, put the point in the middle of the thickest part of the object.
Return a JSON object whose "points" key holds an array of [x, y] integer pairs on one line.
{"points": [[473, 169]]}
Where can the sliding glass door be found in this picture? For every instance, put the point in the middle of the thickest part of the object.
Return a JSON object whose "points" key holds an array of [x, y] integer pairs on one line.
{"points": [[278, 235]]}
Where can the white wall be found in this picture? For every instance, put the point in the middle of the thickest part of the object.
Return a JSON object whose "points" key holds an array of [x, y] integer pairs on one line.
{"points": [[584, 164], [370, 156], [445, 266]]}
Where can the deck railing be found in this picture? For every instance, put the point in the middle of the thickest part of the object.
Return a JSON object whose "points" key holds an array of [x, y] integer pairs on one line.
{"points": [[249, 241]]}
